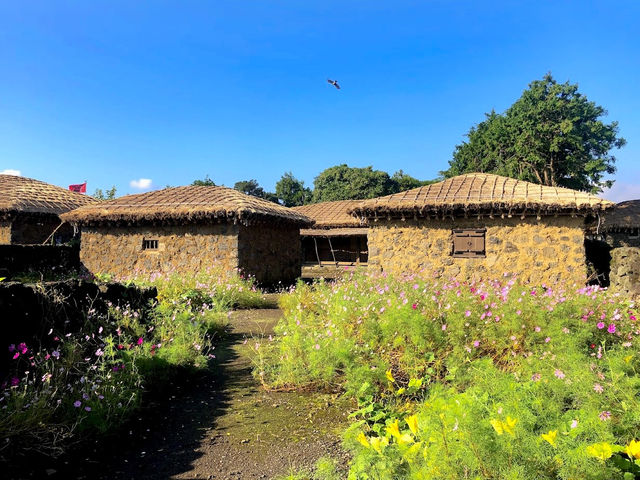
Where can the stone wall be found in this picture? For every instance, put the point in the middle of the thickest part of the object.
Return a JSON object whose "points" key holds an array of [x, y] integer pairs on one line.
{"points": [[625, 270], [270, 253], [181, 249], [46, 260], [29, 229], [5, 233], [622, 239], [546, 250]]}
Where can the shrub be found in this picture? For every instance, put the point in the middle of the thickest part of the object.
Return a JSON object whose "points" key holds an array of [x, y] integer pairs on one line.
{"points": [[455, 380]]}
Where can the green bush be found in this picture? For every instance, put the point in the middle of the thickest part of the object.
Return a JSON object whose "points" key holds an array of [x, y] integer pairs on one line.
{"points": [[496, 380]]}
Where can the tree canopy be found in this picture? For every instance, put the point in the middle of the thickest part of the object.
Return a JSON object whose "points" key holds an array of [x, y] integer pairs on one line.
{"points": [[551, 135], [205, 182], [291, 192], [109, 194], [348, 183]]}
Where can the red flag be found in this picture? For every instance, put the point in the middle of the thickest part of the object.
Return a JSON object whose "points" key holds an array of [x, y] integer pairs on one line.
{"points": [[80, 188]]}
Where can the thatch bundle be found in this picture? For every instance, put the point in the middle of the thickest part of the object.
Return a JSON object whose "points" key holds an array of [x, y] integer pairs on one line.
{"points": [[332, 214], [481, 193], [190, 204], [26, 195], [624, 217]]}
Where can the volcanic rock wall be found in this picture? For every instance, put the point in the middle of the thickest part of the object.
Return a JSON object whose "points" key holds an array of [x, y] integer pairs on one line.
{"points": [[546, 250], [625, 270]]}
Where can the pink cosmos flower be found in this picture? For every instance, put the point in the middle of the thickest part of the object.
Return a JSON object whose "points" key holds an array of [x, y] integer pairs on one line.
{"points": [[15, 381], [547, 340], [598, 388], [414, 306], [444, 327], [612, 328], [537, 329], [574, 424], [467, 313], [22, 348], [317, 346], [559, 374], [16, 355], [536, 377], [476, 343], [605, 415], [140, 341], [600, 325]]}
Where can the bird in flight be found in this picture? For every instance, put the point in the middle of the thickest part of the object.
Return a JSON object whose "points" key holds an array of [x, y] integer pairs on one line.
{"points": [[334, 83]]}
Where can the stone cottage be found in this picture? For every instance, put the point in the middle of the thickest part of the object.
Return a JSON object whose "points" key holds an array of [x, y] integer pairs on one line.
{"points": [[189, 229], [336, 240], [30, 209], [613, 246], [481, 226]]}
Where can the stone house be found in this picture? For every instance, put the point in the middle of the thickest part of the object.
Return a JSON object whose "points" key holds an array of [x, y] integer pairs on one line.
{"points": [[30, 211], [190, 229], [481, 226], [613, 245], [335, 241]]}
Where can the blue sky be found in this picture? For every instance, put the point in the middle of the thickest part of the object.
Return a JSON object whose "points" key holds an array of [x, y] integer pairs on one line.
{"points": [[112, 92]]}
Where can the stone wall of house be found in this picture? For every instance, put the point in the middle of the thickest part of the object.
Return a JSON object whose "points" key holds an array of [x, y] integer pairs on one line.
{"points": [[546, 250], [270, 253], [181, 249], [43, 260], [625, 270], [623, 239], [35, 229], [5, 233]]}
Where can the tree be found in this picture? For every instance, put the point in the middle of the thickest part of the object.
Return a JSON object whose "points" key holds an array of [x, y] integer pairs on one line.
{"points": [[250, 187], [291, 192], [346, 183], [551, 135], [402, 182], [106, 195], [206, 182]]}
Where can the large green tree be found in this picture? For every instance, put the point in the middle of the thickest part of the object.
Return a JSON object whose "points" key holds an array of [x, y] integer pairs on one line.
{"points": [[291, 192], [205, 182], [346, 183], [552, 135]]}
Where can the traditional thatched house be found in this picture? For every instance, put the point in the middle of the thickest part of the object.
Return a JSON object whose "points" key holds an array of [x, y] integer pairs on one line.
{"points": [[30, 209], [189, 229], [481, 225], [620, 226], [337, 239]]}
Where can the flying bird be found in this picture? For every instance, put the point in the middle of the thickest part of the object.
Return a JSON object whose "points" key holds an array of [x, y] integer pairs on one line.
{"points": [[334, 83]]}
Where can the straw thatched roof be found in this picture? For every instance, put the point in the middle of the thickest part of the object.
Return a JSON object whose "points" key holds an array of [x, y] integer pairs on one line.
{"points": [[189, 204], [625, 216], [26, 195], [476, 193], [332, 214], [332, 232]]}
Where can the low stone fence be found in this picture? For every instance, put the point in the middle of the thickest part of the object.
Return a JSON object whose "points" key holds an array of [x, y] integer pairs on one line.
{"points": [[42, 259], [29, 311], [625, 270]]}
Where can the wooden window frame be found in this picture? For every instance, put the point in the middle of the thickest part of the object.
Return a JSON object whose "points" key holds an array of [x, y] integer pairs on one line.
{"points": [[476, 242], [150, 244]]}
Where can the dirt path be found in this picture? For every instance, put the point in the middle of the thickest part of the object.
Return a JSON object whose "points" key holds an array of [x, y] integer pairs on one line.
{"points": [[222, 426]]}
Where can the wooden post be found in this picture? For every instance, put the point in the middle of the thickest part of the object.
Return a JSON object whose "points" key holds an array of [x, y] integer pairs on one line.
{"points": [[332, 254], [315, 243]]}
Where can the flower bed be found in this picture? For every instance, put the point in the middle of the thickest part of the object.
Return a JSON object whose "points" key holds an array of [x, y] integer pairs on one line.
{"points": [[491, 380]]}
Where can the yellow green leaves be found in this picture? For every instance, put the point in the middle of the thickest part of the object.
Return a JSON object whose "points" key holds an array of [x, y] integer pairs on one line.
{"points": [[506, 426], [415, 383], [601, 451], [550, 437], [379, 443], [633, 449]]}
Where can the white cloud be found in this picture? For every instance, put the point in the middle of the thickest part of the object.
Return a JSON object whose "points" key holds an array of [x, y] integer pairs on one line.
{"points": [[10, 171], [622, 191], [141, 184]]}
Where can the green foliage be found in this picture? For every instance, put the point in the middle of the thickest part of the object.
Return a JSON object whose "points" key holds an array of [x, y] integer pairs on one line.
{"points": [[291, 192], [551, 135], [454, 380], [402, 182], [205, 182], [346, 183], [251, 187], [109, 194]]}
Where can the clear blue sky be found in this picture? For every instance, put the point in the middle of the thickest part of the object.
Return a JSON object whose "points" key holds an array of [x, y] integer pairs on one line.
{"points": [[115, 91]]}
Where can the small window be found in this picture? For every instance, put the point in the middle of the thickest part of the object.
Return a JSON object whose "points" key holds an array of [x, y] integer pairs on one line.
{"points": [[149, 244], [469, 243]]}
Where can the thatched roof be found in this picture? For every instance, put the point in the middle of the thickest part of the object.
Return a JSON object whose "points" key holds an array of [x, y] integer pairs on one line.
{"points": [[333, 232], [476, 193], [332, 214], [189, 204], [26, 195], [625, 216]]}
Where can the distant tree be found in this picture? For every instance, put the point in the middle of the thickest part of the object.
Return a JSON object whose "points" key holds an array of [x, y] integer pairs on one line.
{"points": [[346, 183], [551, 135], [206, 182], [402, 182], [109, 194], [291, 192], [250, 187]]}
